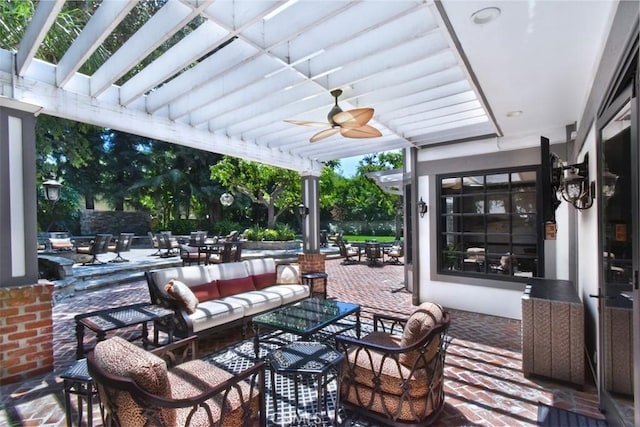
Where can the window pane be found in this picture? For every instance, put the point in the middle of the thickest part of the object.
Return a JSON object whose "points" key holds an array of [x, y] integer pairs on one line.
{"points": [[489, 224]]}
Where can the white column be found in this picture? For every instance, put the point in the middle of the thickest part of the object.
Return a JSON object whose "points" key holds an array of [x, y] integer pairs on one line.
{"points": [[311, 222]]}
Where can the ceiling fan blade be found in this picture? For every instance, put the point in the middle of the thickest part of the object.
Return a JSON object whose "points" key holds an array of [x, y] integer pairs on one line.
{"points": [[324, 134], [365, 131], [355, 118], [307, 123]]}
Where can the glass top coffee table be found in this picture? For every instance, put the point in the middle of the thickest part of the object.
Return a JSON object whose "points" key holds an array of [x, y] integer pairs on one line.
{"points": [[305, 318]]}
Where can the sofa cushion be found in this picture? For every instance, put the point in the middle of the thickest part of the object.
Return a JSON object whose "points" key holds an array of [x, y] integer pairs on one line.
{"points": [[119, 357], [421, 321], [183, 294], [61, 243], [191, 275], [288, 274], [214, 313], [255, 302], [264, 280], [206, 291], [228, 287], [289, 293], [196, 377]]}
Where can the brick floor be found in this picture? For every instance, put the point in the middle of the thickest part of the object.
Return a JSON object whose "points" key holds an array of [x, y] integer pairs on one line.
{"points": [[484, 382]]}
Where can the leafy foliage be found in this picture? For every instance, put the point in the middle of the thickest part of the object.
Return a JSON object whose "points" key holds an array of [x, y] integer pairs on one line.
{"points": [[281, 232]]}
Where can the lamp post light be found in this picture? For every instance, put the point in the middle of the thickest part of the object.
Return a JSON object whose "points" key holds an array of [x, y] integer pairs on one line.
{"points": [[226, 199], [52, 190], [52, 194]]}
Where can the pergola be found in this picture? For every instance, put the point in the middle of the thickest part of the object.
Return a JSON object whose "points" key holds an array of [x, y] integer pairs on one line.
{"points": [[227, 85]]}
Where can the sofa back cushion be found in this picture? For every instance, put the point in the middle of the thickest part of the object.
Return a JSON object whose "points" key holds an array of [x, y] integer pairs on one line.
{"points": [[227, 270], [259, 266], [206, 291], [191, 276], [119, 357], [419, 324], [288, 274], [228, 287]]}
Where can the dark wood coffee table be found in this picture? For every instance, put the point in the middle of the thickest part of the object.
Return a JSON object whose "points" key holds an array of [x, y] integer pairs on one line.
{"points": [[304, 318], [112, 319]]}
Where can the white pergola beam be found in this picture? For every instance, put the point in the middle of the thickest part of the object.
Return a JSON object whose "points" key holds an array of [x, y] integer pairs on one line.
{"points": [[158, 29], [102, 23], [43, 18]]}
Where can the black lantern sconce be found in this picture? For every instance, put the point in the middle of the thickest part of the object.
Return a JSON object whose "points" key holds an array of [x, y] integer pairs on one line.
{"points": [[422, 207], [572, 183], [303, 211]]}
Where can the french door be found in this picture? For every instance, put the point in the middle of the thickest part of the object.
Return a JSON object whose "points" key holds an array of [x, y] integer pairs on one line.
{"points": [[618, 195]]}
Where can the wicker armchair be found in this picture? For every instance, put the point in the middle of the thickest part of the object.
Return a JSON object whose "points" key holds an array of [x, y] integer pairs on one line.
{"points": [[137, 389], [395, 375]]}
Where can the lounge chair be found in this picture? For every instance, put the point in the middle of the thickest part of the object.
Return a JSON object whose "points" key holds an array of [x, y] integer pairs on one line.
{"points": [[122, 245], [99, 245], [349, 253]]}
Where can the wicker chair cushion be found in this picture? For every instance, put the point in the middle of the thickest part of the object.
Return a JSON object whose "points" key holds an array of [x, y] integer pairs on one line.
{"points": [[371, 368], [119, 357], [195, 377], [183, 294], [386, 404], [426, 316]]}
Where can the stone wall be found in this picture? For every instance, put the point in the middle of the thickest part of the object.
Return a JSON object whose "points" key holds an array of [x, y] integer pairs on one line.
{"points": [[26, 331], [114, 222]]}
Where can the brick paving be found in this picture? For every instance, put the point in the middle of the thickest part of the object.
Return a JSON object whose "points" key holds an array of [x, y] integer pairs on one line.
{"points": [[484, 382]]}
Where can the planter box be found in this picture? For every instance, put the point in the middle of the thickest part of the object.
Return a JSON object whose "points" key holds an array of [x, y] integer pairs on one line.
{"points": [[271, 245]]}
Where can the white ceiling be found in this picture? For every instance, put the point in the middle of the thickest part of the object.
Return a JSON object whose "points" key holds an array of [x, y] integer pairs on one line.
{"points": [[398, 57]]}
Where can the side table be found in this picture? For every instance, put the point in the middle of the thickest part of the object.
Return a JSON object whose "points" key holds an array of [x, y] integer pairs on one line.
{"points": [[307, 359], [309, 278], [78, 381], [112, 319]]}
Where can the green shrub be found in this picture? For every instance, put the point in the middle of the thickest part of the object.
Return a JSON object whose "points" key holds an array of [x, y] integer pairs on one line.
{"points": [[224, 227], [281, 232]]}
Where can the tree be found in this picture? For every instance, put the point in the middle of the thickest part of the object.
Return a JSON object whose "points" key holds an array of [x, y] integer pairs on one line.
{"points": [[275, 188]]}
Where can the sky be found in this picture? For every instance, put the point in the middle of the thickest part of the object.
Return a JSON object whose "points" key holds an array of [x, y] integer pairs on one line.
{"points": [[349, 166]]}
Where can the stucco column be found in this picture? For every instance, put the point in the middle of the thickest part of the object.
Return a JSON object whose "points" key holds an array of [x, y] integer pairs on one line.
{"points": [[26, 324]]}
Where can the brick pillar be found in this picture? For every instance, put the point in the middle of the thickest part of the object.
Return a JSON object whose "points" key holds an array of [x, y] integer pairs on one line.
{"points": [[313, 262], [26, 331]]}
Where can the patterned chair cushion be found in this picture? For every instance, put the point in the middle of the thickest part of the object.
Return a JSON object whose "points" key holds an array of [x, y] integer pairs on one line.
{"points": [[195, 377], [371, 368], [183, 294], [426, 316], [119, 357]]}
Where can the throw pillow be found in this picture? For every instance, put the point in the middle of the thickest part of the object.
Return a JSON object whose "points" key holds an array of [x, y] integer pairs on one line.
{"points": [[206, 291], [228, 287], [421, 321], [182, 293], [264, 280], [119, 357], [288, 274]]}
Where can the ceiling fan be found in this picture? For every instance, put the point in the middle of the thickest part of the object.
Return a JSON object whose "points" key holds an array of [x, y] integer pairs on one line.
{"points": [[350, 123]]}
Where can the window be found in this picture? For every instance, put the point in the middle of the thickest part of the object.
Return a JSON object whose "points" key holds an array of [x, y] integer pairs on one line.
{"points": [[489, 224]]}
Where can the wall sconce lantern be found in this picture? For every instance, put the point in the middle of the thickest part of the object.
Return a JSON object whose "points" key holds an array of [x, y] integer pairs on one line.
{"points": [[52, 190], [422, 207], [572, 183], [226, 199], [303, 211]]}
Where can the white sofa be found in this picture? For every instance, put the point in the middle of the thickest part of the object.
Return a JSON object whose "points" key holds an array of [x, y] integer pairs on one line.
{"points": [[227, 294]]}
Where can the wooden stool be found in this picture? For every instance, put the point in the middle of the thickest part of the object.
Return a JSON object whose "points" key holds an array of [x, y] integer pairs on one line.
{"points": [[78, 381]]}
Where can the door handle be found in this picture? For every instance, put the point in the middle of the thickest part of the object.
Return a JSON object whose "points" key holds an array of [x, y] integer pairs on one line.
{"points": [[600, 296]]}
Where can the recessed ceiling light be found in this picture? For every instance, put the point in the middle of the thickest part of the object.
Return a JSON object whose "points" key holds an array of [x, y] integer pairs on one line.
{"points": [[486, 15], [514, 113]]}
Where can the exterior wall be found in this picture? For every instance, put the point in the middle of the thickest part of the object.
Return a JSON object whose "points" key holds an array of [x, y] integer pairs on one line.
{"points": [[26, 332], [488, 296]]}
